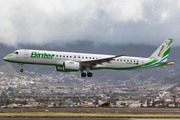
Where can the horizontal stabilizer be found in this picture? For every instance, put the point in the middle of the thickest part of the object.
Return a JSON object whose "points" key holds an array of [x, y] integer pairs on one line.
{"points": [[167, 62]]}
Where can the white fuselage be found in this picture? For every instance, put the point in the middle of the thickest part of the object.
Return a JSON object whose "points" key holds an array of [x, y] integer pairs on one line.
{"points": [[69, 61], [57, 58]]}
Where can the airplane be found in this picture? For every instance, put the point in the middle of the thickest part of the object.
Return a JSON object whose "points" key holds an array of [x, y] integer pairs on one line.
{"points": [[74, 62]]}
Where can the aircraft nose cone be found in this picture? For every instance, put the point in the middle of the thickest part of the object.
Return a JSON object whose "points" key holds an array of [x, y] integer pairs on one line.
{"points": [[5, 58]]}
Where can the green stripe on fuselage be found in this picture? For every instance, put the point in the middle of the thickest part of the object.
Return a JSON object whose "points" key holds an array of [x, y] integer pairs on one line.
{"points": [[9, 55], [127, 68]]}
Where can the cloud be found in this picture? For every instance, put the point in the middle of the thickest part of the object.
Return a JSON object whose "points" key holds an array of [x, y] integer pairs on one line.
{"points": [[100, 21]]}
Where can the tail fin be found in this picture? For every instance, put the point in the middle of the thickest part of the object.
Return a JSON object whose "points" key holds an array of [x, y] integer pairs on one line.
{"points": [[163, 51]]}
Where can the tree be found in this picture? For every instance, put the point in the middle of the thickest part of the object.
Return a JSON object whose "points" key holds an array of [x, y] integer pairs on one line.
{"points": [[24, 102], [62, 102], [10, 89], [106, 104], [174, 100], [97, 101], [123, 103], [7, 102], [54, 105], [163, 102]]}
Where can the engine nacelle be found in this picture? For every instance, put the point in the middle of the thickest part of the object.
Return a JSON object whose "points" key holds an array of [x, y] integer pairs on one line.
{"points": [[69, 66]]}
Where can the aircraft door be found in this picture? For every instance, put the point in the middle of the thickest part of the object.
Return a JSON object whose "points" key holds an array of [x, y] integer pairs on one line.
{"points": [[26, 54]]}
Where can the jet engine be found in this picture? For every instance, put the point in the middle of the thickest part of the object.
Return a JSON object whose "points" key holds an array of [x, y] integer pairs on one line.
{"points": [[69, 66]]}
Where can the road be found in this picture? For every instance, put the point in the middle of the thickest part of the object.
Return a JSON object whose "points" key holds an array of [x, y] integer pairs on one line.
{"points": [[79, 119], [122, 110]]}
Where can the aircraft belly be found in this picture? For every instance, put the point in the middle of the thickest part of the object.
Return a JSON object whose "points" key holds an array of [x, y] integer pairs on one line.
{"points": [[36, 60], [53, 61], [119, 65], [116, 65]]}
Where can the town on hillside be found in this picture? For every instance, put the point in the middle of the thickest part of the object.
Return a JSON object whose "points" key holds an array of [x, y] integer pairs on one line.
{"points": [[69, 90]]}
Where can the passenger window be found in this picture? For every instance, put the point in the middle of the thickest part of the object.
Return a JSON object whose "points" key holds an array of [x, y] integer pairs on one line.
{"points": [[117, 59], [79, 57], [86, 57], [124, 60], [67, 56], [82, 57], [64, 56], [70, 56], [93, 58], [89, 57], [56, 55], [74, 56], [60, 56]]}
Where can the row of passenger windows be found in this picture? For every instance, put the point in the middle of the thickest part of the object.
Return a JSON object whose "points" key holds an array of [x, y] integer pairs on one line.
{"points": [[126, 60], [77, 57], [97, 58]]}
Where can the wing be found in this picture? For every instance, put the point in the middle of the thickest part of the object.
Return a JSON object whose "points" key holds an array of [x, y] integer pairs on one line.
{"points": [[98, 61]]}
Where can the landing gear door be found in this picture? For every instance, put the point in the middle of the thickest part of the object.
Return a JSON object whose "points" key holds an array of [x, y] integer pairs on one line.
{"points": [[26, 54]]}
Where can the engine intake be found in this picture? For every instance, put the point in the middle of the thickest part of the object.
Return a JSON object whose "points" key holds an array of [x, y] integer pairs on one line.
{"points": [[69, 66]]}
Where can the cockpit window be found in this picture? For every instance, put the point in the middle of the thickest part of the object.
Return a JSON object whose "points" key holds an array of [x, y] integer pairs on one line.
{"points": [[15, 52]]}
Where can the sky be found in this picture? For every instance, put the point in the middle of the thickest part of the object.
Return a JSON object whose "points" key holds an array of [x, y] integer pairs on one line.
{"points": [[43, 22]]}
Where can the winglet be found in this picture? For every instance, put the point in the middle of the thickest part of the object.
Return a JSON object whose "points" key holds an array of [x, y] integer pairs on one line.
{"points": [[120, 55]]}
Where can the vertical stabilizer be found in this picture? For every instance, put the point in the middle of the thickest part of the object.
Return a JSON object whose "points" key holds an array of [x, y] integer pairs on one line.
{"points": [[163, 51]]}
